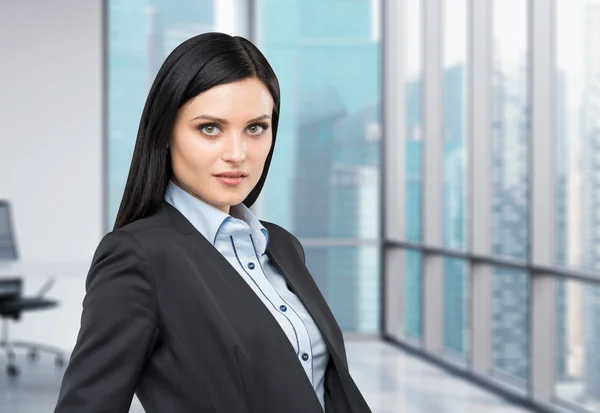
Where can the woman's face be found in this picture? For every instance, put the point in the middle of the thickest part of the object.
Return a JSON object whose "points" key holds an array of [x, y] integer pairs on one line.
{"points": [[221, 140]]}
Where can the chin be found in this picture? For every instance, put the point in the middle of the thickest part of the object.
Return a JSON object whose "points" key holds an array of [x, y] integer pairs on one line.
{"points": [[229, 200]]}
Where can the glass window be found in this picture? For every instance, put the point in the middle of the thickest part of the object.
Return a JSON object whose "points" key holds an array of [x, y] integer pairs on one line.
{"points": [[456, 306], [577, 359], [510, 140], [413, 118], [141, 34], [510, 324], [578, 133], [510, 127], [324, 180], [578, 199], [413, 294], [353, 291], [455, 122]]}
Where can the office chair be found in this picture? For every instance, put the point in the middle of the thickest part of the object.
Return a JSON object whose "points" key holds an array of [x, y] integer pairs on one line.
{"points": [[13, 303]]}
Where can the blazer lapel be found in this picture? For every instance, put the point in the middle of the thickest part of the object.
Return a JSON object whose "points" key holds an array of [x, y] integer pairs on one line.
{"points": [[301, 281], [342, 394]]}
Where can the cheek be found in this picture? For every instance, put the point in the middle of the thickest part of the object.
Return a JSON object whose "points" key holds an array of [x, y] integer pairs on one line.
{"points": [[189, 155], [260, 151], [263, 148]]}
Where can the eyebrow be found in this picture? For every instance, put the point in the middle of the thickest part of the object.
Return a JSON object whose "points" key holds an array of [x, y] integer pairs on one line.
{"points": [[225, 122]]}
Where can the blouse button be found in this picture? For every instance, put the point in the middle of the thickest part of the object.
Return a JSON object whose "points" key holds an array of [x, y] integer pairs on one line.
{"points": [[305, 357], [283, 308], [251, 265]]}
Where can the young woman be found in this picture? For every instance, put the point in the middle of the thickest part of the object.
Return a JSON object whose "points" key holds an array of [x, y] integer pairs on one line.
{"points": [[193, 303]]}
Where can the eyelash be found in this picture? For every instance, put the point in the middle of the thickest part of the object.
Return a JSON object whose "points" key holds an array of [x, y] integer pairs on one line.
{"points": [[263, 125]]}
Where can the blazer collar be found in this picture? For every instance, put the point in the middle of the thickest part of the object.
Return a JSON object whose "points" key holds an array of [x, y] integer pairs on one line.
{"points": [[211, 221], [204, 217]]}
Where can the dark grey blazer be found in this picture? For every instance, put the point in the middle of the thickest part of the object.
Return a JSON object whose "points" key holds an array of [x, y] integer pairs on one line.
{"points": [[167, 317]]}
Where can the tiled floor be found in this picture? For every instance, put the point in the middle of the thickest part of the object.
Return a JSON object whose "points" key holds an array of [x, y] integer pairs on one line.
{"points": [[391, 381]]}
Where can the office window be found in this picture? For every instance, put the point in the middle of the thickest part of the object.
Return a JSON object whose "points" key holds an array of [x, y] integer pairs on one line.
{"points": [[455, 122], [413, 117], [510, 324], [352, 292], [578, 328], [510, 135], [510, 128], [455, 157], [456, 306], [577, 133], [578, 199], [324, 181], [413, 294], [141, 34]]}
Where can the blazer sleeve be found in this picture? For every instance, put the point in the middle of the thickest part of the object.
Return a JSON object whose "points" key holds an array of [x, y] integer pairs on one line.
{"points": [[118, 328]]}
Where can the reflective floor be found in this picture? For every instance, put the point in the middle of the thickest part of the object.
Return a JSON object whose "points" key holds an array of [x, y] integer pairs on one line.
{"points": [[391, 381]]}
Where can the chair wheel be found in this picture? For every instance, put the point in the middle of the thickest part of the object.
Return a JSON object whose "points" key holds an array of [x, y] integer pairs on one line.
{"points": [[33, 355], [59, 361], [12, 370]]}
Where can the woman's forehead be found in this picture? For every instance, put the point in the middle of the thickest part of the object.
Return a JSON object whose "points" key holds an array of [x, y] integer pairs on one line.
{"points": [[233, 102]]}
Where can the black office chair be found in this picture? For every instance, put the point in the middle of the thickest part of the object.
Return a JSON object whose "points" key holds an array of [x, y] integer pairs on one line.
{"points": [[13, 303]]}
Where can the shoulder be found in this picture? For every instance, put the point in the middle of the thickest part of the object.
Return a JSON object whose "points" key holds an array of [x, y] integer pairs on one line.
{"points": [[150, 233], [278, 231], [119, 244], [136, 240], [278, 234], [155, 222]]}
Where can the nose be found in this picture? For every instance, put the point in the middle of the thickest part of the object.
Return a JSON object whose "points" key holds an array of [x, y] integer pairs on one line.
{"points": [[234, 150]]}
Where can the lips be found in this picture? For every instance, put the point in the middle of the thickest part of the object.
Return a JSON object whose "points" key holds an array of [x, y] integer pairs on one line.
{"points": [[230, 178], [231, 175]]}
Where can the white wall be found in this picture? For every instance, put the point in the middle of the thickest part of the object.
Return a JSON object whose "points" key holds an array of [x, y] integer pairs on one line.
{"points": [[51, 150]]}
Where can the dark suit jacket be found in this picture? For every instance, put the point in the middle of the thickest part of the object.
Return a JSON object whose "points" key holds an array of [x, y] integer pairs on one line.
{"points": [[167, 317]]}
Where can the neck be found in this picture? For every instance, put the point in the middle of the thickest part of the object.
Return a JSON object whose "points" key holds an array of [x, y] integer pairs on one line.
{"points": [[224, 208]]}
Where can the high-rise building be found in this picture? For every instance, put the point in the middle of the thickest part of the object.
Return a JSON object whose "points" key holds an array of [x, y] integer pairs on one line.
{"points": [[510, 130], [327, 150], [455, 275], [591, 193]]}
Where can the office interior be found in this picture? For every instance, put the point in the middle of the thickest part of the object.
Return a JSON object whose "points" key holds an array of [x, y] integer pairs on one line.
{"points": [[439, 160]]}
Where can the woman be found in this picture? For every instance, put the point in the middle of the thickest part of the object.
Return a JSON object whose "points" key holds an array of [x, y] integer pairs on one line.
{"points": [[192, 303]]}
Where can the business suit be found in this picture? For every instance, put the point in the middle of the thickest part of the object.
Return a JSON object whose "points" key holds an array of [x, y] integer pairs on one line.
{"points": [[167, 316]]}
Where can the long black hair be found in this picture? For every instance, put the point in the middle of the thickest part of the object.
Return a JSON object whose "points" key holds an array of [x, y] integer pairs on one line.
{"points": [[196, 65]]}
